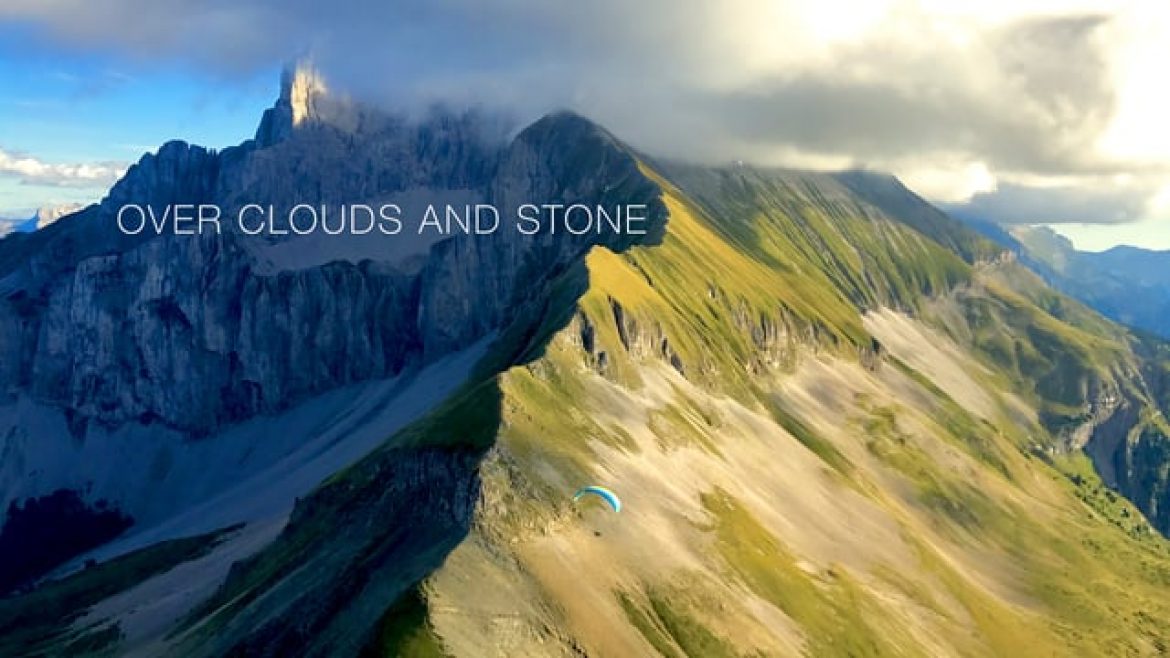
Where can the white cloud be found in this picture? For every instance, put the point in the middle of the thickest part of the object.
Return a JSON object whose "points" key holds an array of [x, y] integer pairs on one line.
{"points": [[949, 182], [1140, 52], [33, 171]]}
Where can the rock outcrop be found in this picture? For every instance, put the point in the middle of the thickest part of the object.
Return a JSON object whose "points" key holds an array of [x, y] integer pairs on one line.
{"points": [[199, 331]]}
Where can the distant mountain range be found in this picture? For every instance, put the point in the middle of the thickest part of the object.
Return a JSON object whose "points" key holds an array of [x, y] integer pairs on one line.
{"points": [[41, 218], [1128, 284]]}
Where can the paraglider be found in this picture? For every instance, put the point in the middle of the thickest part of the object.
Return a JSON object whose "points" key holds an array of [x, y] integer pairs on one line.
{"points": [[601, 492]]}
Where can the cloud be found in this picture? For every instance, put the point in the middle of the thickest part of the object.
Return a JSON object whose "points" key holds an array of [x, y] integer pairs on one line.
{"points": [[1086, 203], [32, 171], [1014, 95], [997, 97]]}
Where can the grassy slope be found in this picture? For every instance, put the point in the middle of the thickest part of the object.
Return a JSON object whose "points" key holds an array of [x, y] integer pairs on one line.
{"points": [[997, 550]]}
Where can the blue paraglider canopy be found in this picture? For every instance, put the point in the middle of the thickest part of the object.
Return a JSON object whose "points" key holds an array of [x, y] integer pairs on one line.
{"points": [[601, 492]]}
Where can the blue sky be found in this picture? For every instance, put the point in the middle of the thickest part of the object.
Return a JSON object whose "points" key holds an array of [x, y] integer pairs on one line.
{"points": [[61, 107]]}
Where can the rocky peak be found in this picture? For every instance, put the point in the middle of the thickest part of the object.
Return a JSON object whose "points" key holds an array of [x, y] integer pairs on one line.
{"points": [[48, 214], [301, 86], [302, 90]]}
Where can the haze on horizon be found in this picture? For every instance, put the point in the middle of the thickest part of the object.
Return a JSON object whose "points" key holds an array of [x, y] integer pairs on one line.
{"points": [[1037, 111]]}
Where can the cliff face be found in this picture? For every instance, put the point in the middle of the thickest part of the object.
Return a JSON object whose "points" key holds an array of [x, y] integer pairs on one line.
{"points": [[199, 331]]}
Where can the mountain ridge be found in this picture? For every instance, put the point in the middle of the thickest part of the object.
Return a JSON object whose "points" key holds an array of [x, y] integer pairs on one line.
{"points": [[840, 422]]}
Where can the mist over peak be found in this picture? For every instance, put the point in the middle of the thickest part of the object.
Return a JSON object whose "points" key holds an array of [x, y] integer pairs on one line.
{"points": [[954, 103]]}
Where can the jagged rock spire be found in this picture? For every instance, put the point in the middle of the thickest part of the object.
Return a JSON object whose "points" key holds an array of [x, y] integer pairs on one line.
{"points": [[301, 90]]}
